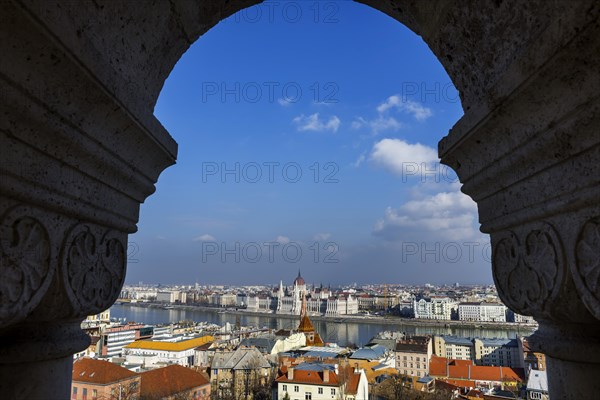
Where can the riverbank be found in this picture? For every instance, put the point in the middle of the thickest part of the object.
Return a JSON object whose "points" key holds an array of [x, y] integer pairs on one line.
{"points": [[379, 320]]}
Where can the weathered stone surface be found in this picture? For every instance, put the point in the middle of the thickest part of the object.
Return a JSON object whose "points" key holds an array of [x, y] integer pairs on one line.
{"points": [[81, 149]]}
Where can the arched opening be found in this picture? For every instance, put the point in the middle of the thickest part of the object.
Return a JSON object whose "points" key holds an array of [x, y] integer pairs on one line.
{"points": [[342, 95]]}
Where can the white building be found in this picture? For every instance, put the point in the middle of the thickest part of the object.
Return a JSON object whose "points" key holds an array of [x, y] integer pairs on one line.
{"points": [[537, 385], [487, 352], [112, 340], [223, 299], [454, 347], [97, 319], [341, 305], [498, 352], [316, 381], [171, 296], [482, 312], [153, 354], [524, 319], [436, 307], [413, 355], [320, 301]]}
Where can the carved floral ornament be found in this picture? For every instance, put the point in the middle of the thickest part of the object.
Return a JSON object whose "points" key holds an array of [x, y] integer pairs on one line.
{"points": [[93, 268], [92, 264], [26, 268], [529, 273], [587, 271]]}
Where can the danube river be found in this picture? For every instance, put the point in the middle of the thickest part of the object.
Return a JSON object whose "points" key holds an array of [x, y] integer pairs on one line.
{"points": [[343, 333]]}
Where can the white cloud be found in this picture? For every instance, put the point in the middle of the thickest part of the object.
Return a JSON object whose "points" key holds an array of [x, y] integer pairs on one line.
{"points": [[314, 123], [282, 239], [284, 102], [418, 111], [402, 157], [443, 216], [359, 160], [378, 125], [205, 238], [321, 237]]}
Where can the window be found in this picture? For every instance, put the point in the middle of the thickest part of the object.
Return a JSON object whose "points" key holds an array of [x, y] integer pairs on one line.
{"points": [[284, 387], [74, 395], [320, 390], [296, 389], [94, 394], [84, 394], [333, 392], [308, 396]]}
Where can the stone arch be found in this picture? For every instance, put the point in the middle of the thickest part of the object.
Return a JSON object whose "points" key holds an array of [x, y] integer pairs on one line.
{"points": [[81, 149]]}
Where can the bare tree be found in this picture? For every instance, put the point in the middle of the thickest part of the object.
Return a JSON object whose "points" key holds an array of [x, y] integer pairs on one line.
{"points": [[124, 391], [399, 387]]}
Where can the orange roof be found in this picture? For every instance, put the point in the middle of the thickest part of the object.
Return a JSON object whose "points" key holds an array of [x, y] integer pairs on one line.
{"points": [[170, 346], [305, 325], [169, 381], [460, 383], [352, 381], [466, 370], [373, 374], [99, 372], [310, 378], [316, 378]]}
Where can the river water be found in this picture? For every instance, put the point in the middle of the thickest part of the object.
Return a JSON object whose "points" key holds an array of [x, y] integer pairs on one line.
{"points": [[343, 333]]}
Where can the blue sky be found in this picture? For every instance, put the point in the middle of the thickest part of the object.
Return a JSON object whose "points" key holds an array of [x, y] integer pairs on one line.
{"points": [[327, 117]]}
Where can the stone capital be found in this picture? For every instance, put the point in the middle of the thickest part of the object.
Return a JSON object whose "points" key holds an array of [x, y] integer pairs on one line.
{"points": [[531, 164]]}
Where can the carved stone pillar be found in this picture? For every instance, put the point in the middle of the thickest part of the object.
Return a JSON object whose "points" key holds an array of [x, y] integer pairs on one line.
{"points": [[75, 166], [532, 164]]}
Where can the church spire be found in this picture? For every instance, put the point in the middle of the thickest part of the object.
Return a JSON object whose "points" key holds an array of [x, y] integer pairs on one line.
{"points": [[303, 310]]}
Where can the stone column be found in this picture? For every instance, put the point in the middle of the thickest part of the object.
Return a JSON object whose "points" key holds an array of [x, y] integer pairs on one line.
{"points": [[74, 167], [532, 164]]}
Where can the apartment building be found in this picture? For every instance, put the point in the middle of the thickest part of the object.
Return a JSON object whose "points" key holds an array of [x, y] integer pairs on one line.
{"points": [[482, 312], [413, 354]]}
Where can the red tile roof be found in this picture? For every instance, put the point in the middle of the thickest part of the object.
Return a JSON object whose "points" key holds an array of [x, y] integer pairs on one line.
{"points": [[170, 380], [316, 378], [310, 378], [466, 370], [99, 372], [352, 381]]}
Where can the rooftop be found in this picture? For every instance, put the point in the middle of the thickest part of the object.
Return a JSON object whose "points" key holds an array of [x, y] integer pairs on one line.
{"points": [[538, 381], [465, 370], [169, 381], [372, 352], [99, 372], [170, 346], [241, 359]]}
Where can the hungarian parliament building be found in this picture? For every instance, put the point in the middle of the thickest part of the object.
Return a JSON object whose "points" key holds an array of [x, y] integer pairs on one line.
{"points": [[288, 300]]}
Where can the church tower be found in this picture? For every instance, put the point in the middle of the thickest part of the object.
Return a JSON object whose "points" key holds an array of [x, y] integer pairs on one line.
{"points": [[306, 327]]}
